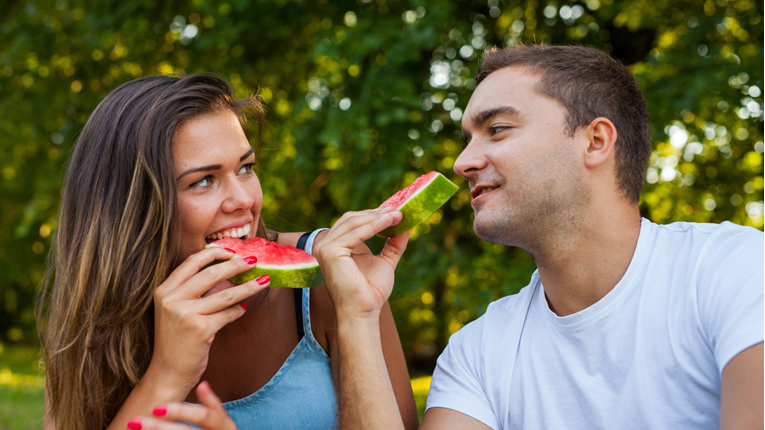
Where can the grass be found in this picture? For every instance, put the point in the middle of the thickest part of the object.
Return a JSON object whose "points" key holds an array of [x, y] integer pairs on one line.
{"points": [[22, 389], [420, 386]]}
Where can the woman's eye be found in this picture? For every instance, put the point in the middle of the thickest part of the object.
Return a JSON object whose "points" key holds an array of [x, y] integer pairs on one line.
{"points": [[204, 182], [247, 168]]}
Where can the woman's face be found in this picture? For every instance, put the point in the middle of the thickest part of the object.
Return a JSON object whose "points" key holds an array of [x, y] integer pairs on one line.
{"points": [[219, 194]]}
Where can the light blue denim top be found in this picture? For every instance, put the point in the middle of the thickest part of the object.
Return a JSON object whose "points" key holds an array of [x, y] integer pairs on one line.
{"points": [[301, 394]]}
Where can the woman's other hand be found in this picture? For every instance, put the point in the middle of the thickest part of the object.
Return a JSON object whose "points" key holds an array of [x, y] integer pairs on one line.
{"points": [[210, 415], [360, 284], [186, 323]]}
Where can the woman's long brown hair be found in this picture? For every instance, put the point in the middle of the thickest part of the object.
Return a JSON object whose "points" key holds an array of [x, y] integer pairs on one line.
{"points": [[116, 241]]}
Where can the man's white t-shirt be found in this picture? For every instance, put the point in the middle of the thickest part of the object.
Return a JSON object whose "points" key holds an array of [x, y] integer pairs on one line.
{"points": [[648, 355]]}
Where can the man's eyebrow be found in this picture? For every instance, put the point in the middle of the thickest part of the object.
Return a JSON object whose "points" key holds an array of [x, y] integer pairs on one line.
{"points": [[212, 166], [482, 117]]}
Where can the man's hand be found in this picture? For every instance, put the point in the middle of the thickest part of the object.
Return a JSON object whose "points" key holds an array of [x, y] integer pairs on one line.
{"points": [[360, 284]]}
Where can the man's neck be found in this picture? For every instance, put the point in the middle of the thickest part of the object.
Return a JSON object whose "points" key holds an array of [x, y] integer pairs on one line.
{"points": [[588, 265]]}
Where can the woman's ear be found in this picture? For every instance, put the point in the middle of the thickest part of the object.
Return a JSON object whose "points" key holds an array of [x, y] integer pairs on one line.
{"points": [[602, 135]]}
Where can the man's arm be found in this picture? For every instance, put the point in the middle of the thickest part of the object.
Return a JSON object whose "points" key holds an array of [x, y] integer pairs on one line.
{"points": [[390, 342], [359, 285], [365, 391], [741, 406], [366, 398], [442, 418], [396, 365]]}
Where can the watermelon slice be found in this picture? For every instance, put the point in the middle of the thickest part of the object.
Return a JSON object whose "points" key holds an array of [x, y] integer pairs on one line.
{"points": [[418, 201], [286, 265]]}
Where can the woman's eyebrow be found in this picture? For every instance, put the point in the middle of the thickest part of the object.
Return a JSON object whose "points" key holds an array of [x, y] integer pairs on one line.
{"points": [[212, 166], [199, 169], [246, 154]]}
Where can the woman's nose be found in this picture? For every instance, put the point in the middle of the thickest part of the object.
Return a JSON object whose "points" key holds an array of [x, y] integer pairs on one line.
{"points": [[238, 197]]}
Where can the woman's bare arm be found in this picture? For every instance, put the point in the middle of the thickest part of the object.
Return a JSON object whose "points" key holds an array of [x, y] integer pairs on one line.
{"points": [[149, 393]]}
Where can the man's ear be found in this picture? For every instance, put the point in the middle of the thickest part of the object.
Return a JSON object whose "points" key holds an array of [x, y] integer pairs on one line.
{"points": [[601, 134]]}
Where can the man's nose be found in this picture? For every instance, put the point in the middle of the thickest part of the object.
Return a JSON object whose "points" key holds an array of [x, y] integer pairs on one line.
{"points": [[470, 160]]}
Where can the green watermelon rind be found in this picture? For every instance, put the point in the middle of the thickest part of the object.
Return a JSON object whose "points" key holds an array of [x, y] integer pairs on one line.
{"points": [[303, 277], [422, 206], [289, 278]]}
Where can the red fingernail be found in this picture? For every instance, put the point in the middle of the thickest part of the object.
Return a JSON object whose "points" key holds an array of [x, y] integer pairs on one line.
{"points": [[159, 411], [230, 250], [243, 306], [263, 279], [135, 425], [250, 260]]}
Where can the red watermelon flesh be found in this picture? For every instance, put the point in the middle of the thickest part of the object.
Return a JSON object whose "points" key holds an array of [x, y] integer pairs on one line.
{"points": [[286, 265], [397, 200], [418, 201]]}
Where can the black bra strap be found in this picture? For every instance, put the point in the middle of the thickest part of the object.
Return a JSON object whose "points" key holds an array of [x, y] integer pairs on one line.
{"points": [[298, 294]]}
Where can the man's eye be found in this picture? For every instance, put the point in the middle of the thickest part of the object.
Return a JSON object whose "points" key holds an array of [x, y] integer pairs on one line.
{"points": [[495, 130], [204, 182]]}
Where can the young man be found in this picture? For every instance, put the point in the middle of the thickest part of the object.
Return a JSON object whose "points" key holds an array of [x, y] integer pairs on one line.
{"points": [[626, 324]]}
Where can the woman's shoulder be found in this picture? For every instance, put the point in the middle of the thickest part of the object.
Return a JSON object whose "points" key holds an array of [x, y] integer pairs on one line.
{"points": [[321, 307], [322, 317]]}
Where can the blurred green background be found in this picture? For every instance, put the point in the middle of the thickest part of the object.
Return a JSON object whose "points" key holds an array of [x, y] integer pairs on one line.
{"points": [[363, 97]]}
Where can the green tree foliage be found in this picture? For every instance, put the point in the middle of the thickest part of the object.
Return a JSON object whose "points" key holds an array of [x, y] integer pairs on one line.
{"points": [[364, 96]]}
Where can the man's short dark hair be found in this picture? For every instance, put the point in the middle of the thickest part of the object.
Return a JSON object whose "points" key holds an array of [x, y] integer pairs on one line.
{"points": [[589, 84]]}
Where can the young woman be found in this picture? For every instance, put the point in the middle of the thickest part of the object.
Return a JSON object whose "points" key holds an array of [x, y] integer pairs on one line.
{"points": [[130, 316]]}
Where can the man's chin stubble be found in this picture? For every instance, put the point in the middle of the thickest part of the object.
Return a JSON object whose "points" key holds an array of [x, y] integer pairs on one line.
{"points": [[544, 228]]}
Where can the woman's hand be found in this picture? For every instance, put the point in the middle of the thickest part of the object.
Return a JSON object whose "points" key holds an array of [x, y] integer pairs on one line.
{"points": [[209, 415], [186, 322], [360, 284]]}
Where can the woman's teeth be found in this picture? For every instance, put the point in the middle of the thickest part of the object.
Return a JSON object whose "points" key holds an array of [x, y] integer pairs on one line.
{"points": [[233, 232], [486, 190]]}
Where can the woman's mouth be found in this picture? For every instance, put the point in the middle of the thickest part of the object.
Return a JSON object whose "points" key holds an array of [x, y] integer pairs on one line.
{"points": [[240, 232]]}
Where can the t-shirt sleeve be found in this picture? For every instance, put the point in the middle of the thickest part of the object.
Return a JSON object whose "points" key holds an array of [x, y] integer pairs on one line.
{"points": [[730, 291], [457, 382]]}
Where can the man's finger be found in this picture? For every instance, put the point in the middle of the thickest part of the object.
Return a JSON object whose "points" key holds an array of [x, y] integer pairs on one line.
{"points": [[361, 228], [394, 248], [350, 222]]}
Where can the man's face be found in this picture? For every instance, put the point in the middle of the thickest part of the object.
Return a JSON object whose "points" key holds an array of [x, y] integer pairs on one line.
{"points": [[524, 170]]}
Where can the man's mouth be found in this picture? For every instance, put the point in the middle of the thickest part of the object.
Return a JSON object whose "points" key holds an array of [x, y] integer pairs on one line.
{"points": [[485, 190], [479, 191], [242, 232]]}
